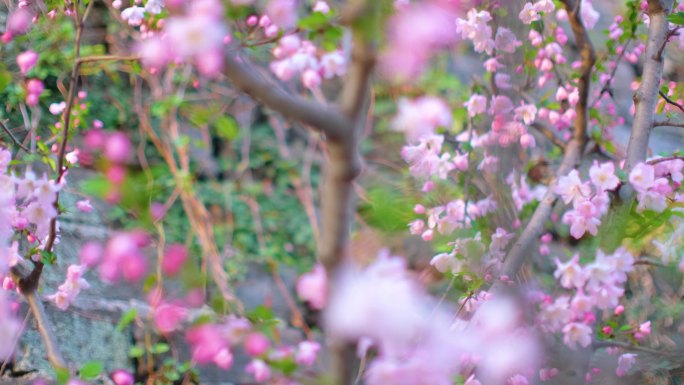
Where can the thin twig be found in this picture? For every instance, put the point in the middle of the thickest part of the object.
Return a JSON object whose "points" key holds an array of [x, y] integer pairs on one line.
{"points": [[14, 138], [670, 101], [667, 123], [573, 151]]}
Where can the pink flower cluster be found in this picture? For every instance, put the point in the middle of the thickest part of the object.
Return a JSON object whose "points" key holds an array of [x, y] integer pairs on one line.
{"points": [[122, 257], [294, 56], [10, 327], [408, 32], [69, 290], [589, 205], [198, 36], [655, 183], [416, 342], [312, 287], [598, 284], [466, 250], [447, 218]]}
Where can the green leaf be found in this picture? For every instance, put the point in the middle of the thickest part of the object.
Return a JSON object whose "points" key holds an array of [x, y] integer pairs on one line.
{"points": [[136, 351], [62, 375], [160, 348], [126, 319], [227, 128], [48, 258], [5, 78], [91, 370], [676, 18]]}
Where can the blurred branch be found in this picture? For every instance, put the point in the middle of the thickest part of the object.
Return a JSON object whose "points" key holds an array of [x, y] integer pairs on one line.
{"points": [[670, 101], [573, 151], [14, 138], [667, 123], [242, 74], [645, 98]]}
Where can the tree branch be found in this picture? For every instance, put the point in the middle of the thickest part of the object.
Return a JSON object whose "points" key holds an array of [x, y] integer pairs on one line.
{"points": [[327, 120], [573, 152], [645, 98], [14, 138], [667, 123], [670, 101]]}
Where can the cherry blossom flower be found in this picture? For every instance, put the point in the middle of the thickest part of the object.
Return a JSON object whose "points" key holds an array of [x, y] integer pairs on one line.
{"points": [[576, 333], [312, 287], [625, 362]]}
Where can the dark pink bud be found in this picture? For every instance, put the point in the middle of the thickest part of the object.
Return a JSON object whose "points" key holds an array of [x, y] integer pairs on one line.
{"points": [[174, 258], [134, 267], [122, 377], [91, 253], [26, 60], [117, 147], [256, 344]]}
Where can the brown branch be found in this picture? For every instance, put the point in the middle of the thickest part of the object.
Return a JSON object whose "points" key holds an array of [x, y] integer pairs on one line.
{"points": [[14, 138], [670, 101], [673, 32], [667, 123], [548, 134], [28, 284], [573, 152], [328, 120]]}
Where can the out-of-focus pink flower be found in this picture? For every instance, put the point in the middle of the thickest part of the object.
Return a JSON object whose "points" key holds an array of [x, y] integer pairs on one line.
{"points": [[256, 344], [84, 206], [117, 147], [322, 7], [259, 370], [576, 333], [642, 177], [283, 13], [625, 362], [174, 258], [27, 60], [122, 377], [10, 328], [312, 287], [167, 317], [133, 15], [91, 253], [307, 352]]}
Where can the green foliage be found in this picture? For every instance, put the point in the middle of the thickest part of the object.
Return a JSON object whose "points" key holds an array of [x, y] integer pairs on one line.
{"points": [[126, 319], [676, 18], [91, 370], [387, 209]]}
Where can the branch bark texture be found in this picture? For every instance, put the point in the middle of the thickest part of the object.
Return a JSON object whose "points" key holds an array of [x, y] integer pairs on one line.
{"points": [[573, 151]]}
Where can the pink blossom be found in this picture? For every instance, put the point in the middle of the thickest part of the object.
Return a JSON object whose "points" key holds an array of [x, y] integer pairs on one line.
{"points": [[133, 15], [419, 118], [26, 60], [576, 333], [282, 12], [477, 104], [168, 317], [571, 188], [307, 352], [91, 253], [570, 273], [528, 14], [476, 29], [256, 344], [117, 147], [321, 6], [505, 40], [625, 362], [259, 369], [603, 176], [122, 377], [589, 15], [174, 258], [84, 206], [10, 327], [312, 287]]}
